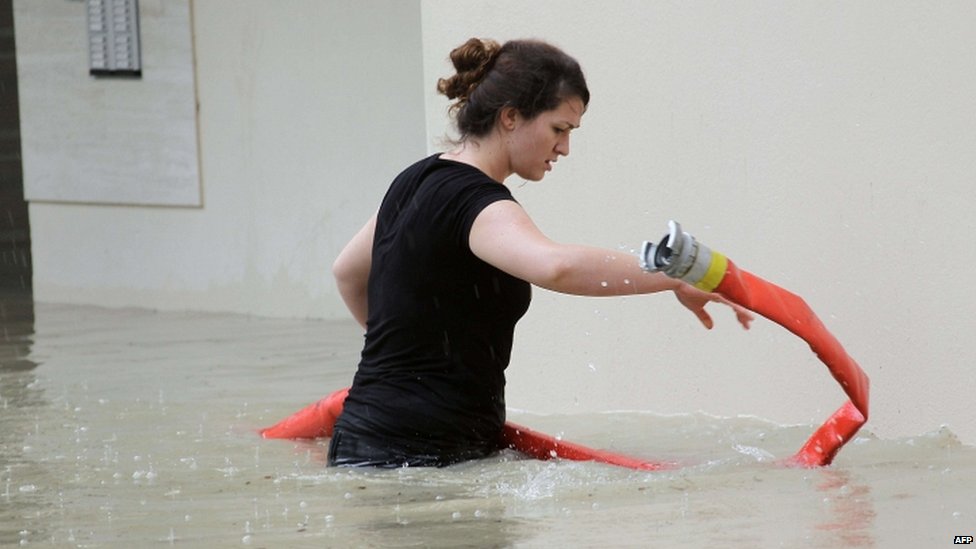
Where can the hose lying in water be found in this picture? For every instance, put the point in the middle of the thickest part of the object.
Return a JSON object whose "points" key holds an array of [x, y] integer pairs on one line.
{"points": [[317, 420], [313, 421], [680, 256]]}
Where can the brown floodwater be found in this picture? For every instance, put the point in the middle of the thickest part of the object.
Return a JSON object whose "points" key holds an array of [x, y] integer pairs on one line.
{"points": [[132, 428]]}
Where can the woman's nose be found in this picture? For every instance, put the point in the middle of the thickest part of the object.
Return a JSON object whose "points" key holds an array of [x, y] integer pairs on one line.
{"points": [[562, 146]]}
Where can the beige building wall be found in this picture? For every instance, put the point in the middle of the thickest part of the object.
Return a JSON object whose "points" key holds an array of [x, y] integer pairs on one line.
{"points": [[827, 147], [306, 110]]}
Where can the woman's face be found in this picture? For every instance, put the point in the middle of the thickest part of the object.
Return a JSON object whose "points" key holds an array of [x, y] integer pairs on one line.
{"points": [[535, 144]]}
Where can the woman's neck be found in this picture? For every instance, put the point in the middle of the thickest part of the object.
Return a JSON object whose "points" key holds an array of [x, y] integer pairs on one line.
{"points": [[485, 154]]}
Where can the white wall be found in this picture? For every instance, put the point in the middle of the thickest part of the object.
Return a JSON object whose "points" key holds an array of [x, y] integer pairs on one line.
{"points": [[306, 111], [117, 140], [825, 146]]}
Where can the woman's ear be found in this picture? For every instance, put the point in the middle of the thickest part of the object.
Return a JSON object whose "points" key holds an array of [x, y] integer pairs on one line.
{"points": [[508, 118]]}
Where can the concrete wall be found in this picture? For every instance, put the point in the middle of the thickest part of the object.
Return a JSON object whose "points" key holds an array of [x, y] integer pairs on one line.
{"points": [[117, 140], [306, 111], [827, 147]]}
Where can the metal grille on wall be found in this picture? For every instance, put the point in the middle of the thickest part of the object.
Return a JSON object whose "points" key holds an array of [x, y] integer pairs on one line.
{"points": [[113, 38]]}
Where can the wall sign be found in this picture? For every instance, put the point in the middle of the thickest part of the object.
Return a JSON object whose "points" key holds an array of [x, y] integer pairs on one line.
{"points": [[113, 38]]}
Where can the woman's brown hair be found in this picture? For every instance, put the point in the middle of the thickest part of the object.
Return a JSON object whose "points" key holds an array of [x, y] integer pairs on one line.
{"points": [[530, 75]]}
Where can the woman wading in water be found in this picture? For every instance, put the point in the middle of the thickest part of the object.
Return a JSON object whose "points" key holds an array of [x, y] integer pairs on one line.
{"points": [[442, 272]]}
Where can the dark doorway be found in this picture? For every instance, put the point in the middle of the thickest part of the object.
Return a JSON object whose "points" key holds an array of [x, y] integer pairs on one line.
{"points": [[16, 296]]}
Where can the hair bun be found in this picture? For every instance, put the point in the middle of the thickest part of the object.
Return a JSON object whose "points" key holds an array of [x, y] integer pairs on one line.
{"points": [[472, 60]]}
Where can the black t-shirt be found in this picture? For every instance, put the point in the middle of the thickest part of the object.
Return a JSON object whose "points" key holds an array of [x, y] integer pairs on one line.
{"points": [[440, 321]]}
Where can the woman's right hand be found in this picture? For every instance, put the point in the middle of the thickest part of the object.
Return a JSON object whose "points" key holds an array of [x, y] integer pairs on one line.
{"points": [[695, 300]]}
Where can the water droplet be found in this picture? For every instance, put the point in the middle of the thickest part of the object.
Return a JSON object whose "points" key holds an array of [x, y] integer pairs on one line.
{"points": [[456, 515], [604, 284]]}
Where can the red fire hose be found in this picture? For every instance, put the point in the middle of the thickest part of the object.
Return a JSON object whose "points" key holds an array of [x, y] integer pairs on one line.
{"points": [[317, 420], [680, 256]]}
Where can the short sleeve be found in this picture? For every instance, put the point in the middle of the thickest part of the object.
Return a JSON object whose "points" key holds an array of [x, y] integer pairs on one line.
{"points": [[472, 201]]}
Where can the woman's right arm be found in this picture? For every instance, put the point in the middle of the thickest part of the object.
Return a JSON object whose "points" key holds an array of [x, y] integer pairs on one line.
{"points": [[505, 237], [351, 271]]}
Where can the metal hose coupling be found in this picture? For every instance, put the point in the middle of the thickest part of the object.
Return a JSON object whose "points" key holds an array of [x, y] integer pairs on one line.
{"points": [[680, 256]]}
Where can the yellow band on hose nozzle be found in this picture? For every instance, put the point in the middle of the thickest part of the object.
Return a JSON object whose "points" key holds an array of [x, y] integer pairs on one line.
{"points": [[715, 273], [680, 256]]}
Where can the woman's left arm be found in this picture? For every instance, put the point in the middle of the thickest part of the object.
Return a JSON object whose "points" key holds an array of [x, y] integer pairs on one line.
{"points": [[351, 271]]}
